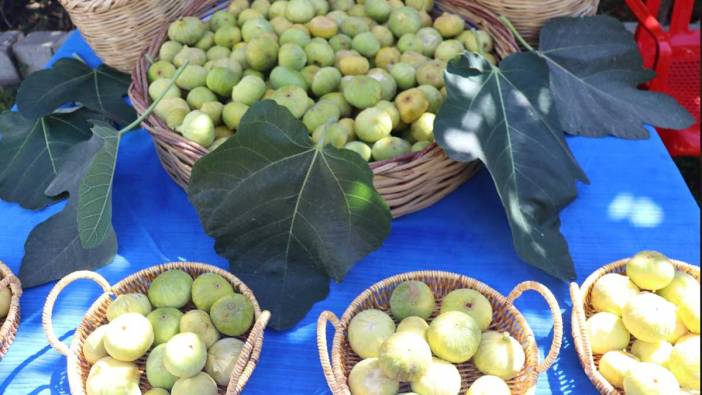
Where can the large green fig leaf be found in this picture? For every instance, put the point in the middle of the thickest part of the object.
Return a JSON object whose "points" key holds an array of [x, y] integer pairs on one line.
{"points": [[53, 248], [595, 69], [95, 192], [286, 213], [33, 150], [69, 80], [505, 117]]}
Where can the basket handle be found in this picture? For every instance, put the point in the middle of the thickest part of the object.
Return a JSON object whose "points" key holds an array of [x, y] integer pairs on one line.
{"points": [[555, 314], [582, 340], [13, 281], [324, 318], [46, 317], [253, 345]]}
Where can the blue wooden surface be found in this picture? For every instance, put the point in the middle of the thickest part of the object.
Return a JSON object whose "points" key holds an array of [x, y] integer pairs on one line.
{"points": [[637, 200]]}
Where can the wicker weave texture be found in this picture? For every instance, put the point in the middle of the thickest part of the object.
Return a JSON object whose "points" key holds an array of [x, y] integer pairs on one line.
{"points": [[582, 310], [529, 16], [408, 183], [506, 318], [119, 30], [9, 324], [78, 368]]}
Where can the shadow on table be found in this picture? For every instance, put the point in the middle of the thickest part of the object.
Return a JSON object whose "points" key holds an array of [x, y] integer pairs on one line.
{"points": [[59, 378]]}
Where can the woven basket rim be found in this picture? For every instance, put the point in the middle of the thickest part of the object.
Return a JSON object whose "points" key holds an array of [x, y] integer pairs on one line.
{"points": [[333, 367], [10, 324], [178, 154], [74, 357], [578, 295]]}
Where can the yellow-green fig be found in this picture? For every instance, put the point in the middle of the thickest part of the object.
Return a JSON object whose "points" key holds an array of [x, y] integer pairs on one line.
{"points": [[449, 25], [199, 323], [299, 11], [199, 128], [390, 109], [367, 378], [298, 37], [221, 80], [412, 104], [614, 365], [249, 90], [366, 44], [412, 298], [128, 337], [387, 82], [649, 317], [323, 112], [413, 324], [390, 147], [206, 41], [489, 385], [454, 336], [232, 114], [431, 73], [165, 322], [430, 38], [685, 362], [217, 52], [379, 10], [128, 303], [319, 53], [192, 77], [188, 55], [423, 128], [420, 146], [344, 107], [221, 18], [330, 134], [612, 292], [161, 69], [232, 315], [200, 384], [199, 96], [689, 313], [213, 109], [650, 270], [658, 352], [255, 27], [404, 356], [448, 50], [185, 355], [109, 374], [187, 31], [282, 76], [169, 50], [340, 42], [368, 330], [469, 39], [293, 98], [221, 358], [262, 53], [404, 20], [499, 354], [323, 26], [353, 65], [163, 87], [353, 25], [371, 125], [433, 96], [362, 91], [682, 287], [404, 75], [292, 55], [607, 333], [93, 346], [360, 148], [679, 332], [208, 288], [156, 372], [277, 9], [440, 378], [170, 289], [410, 42], [649, 379]]}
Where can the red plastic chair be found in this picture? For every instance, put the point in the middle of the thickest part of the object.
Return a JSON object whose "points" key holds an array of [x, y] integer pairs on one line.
{"points": [[675, 56]]}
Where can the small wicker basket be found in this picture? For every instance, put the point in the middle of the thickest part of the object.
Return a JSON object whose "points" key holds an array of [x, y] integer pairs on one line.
{"points": [[78, 368], [529, 16], [506, 317], [582, 310], [408, 183], [9, 324], [119, 30]]}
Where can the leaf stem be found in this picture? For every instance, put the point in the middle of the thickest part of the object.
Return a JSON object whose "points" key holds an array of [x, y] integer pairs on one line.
{"points": [[153, 105], [516, 34]]}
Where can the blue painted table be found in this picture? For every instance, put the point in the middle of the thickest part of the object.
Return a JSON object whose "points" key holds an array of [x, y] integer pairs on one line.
{"points": [[637, 200]]}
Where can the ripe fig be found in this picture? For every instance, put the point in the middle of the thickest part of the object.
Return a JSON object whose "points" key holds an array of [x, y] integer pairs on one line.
{"points": [[612, 292], [185, 355], [411, 104], [449, 25], [360, 148], [199, 96], [649, 379], [163, 86], [404, 356], [404, 75], [156, 372], [499, 354], [607, 333], [128, 337], [221, 358], [200, 384], [169, 50], [170, 288], [187, 31], [165, 322], [368, 330], [371, 125], [614, 365], [128, 303], [199, 323], [454, 336], [650, 270], [199, 128], [93, 346], [489, 385], [232, 114], [649, 317], [404, 20], [411, 298], [362, 91], [441, 378], [292, 55], [232, 315], [367, 378]]}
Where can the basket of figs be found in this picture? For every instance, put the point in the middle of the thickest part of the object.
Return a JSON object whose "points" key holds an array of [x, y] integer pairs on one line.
{"points": [[636, 326], [10, 293], [436, 333], [366, 76], [179, 328]]}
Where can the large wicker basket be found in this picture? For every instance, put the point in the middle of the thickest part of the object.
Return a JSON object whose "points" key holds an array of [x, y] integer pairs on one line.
{"points": [[582, 310], [408, 183], [78, 368], [9, 324], [529, 16], [119, 30], [506, 317]]}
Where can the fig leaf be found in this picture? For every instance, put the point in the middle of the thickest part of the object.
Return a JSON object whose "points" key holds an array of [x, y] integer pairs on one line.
{"points": [[68, 81], [33, 150], [53, 248], [287, 214]]}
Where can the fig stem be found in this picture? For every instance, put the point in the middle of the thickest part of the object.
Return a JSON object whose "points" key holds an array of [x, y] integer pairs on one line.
{"points": [[516, 34], [153, 105]]}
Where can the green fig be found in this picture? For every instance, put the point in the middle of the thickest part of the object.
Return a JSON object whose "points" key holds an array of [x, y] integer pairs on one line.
{"points": [[362, 91], [232, 114]]}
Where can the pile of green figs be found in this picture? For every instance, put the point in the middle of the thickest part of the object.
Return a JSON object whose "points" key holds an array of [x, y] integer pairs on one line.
{"points": [[187, 351], [427, 355], [367, 76]]}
